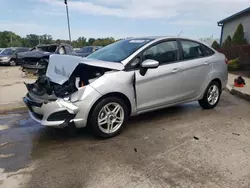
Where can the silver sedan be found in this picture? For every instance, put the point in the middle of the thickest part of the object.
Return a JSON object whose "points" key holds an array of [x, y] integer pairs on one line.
{"points": [[126, 78]]}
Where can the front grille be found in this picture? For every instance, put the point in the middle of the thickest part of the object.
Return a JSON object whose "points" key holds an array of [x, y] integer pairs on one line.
{"points": [[60, 116]]}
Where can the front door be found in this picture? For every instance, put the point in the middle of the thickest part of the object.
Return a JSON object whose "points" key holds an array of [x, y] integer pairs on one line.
{"points": [[160, 86]]}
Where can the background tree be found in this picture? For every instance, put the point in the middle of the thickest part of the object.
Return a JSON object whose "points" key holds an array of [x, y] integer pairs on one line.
{"points": [[215, 45], [32, 40], [81, 41], [58, 41], [91, 41], [104, 41], [227, 42], [10, 39], [45, 39], [238, 37]]}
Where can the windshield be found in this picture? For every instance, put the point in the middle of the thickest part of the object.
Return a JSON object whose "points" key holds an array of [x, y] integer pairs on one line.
{"points": [[46, 48], [118, 51], [86, 50], [7, 51]]}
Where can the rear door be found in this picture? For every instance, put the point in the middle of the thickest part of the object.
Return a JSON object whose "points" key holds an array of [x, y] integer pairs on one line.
{"points": [[196, 68]]}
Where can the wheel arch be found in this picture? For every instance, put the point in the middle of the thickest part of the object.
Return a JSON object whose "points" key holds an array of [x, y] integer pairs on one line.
{"points": [[12, 59], [218, 81], [113, 94]]}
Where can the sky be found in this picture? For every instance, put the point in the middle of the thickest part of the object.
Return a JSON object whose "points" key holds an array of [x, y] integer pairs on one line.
{"points": [[118, 18]]}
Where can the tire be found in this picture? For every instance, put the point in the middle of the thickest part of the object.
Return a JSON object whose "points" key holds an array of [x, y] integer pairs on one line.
{"points": [[207, 103], [12, 62], [112, 113]]}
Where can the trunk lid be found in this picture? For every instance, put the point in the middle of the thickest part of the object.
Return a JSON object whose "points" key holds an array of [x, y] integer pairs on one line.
{"points": [[61, 67]]}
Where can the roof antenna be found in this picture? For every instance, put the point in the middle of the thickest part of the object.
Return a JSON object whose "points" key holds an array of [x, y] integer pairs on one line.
{"points": [[180, 32]]}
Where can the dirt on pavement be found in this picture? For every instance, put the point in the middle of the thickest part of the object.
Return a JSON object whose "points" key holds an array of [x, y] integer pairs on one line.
{"points": [[12, 88], [182, 146]]}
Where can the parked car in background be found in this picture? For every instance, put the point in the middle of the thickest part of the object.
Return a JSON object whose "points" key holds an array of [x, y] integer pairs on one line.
{"points": [[126, 78], [76, 49], [86, 50], [8, 56], [36, 60]]}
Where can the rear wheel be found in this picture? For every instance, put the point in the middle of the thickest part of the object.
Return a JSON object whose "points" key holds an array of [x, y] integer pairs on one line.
{"points": [[211, 96], [109, 117]]}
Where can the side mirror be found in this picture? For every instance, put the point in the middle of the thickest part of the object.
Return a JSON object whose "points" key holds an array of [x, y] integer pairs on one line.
{"points": [[150, 64]]}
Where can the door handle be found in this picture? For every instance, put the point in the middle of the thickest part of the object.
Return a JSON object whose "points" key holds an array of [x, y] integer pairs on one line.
{"points": [[176, 70], [207, 62]]}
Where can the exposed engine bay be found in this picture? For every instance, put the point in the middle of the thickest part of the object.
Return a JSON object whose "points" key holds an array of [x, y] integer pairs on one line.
{"points": [[83, 75]]}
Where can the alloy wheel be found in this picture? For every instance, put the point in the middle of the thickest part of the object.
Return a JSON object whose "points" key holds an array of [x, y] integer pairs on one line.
{"points": [[12, 63], [111, 117], [213, 94]]}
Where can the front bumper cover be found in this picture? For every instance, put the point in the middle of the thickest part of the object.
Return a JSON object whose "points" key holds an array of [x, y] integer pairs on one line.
{"points": [[56, 113], [4, 61]]}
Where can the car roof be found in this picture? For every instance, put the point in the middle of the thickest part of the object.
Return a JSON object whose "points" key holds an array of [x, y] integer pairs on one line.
{"points": [[47, 45], [159, 38], [54, 44], [19, 47]]}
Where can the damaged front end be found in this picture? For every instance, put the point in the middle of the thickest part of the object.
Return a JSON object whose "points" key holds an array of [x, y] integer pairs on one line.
{"points": [[35, 62], [36, 66], [56, 98]]}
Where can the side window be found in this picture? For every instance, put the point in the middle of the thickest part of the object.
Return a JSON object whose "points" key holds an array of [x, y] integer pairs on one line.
{"points": [[61, 50], [191, 50], [68, 49], [134, 64], [21, 50], [207, 50], [165, 52]]}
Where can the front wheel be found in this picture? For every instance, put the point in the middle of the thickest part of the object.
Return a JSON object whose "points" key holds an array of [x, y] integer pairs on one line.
{"points": [[12, 62], [211, 96], [109, 117]]}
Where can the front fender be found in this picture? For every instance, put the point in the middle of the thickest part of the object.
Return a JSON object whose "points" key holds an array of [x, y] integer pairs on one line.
{"points": [[117, 82]]}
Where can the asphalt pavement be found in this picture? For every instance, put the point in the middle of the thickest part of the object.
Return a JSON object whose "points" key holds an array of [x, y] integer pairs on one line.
{"points": [[182, 146]]}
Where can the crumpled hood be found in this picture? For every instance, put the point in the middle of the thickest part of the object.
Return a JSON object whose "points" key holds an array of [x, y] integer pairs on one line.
{"points": [[61, 67], [33, 54]]}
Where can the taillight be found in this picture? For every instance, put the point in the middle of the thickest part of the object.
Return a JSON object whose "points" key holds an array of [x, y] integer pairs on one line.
{"points": [[226, 61]]}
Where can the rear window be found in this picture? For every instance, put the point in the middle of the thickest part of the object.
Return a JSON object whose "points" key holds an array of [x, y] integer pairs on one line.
{"points": [[191, 50], [51, 48]]}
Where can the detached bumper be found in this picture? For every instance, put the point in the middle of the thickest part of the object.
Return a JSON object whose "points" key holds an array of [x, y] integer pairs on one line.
{"points": [[55, 114]]}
